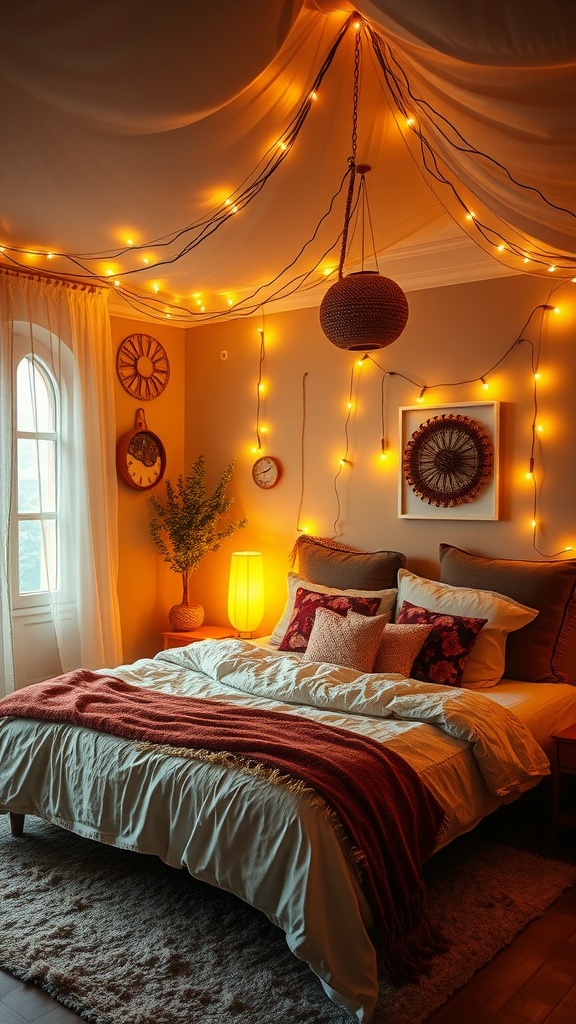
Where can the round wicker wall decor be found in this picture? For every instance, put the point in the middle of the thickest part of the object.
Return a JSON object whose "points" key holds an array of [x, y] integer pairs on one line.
{"points": [[448, 460]]}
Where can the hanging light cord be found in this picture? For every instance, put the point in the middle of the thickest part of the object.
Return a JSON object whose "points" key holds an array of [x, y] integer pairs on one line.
{"points": [[259, 383], [352, 157], [344, 461], [302, 440]]}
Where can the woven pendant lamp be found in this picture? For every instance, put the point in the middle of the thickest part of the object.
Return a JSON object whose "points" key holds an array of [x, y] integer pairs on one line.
{"points": [[363, 310]]}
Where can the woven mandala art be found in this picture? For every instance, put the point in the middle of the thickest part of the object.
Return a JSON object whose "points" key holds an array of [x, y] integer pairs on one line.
{"points": [[448, 460]]}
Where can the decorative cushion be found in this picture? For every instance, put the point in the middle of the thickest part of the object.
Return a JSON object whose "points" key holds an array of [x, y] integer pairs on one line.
{"points": [[387, 600], [399, 645], [444, 653], [485, 666], [305, 607], [335, 565], [351, 640], [535, 652]]}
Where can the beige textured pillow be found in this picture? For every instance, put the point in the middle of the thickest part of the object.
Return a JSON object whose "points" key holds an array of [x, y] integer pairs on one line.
{"points": [[485, 665], [400, 644], [387, 601], [350, 640]]}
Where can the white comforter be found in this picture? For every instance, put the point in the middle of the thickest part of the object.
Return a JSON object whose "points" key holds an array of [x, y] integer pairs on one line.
{"points": [[266, 843]]}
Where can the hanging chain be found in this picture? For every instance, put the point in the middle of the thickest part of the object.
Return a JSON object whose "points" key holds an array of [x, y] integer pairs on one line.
{"points": [[352, 158]]}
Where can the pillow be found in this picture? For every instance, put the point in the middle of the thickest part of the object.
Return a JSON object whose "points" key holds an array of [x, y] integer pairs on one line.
{"points": [[387, 600], [485, 667], [533, 654], [305, 606], [399, 645], [334, 565], [443, 655], [351, 640]]}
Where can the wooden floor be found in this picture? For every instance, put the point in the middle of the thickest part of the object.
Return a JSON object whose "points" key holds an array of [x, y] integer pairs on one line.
{"points": [[533, 981]]}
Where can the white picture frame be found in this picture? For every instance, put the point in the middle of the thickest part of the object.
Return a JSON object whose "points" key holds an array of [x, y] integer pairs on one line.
{"points": [[486, 504]]}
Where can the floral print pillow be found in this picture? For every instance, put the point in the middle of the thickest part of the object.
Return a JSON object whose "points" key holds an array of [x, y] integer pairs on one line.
{"points": [[305, 605], [446, 649]]}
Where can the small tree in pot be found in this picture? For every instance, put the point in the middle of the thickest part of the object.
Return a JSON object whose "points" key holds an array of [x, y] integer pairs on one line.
{"points": [[185, 528]]}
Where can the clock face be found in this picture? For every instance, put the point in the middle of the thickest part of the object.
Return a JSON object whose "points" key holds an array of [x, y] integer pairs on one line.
{"points": [[141, 459], [265, 472], [144, 460], [142, 366]]}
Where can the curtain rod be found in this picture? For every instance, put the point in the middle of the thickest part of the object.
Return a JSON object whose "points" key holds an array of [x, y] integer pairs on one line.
{"points": [[39, 275]]}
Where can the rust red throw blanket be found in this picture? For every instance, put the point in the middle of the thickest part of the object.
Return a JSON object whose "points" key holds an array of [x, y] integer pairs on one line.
{"points": [[387, 812]]}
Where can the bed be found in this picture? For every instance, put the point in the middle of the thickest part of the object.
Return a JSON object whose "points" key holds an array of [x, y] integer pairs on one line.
{"points": [[474, 744]]}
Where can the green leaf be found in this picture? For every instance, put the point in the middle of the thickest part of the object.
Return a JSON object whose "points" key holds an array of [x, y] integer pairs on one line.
{"points": [[185, 525]]}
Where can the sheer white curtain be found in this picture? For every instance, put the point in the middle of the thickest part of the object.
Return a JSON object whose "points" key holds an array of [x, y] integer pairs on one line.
{"points": [[66, 326]]}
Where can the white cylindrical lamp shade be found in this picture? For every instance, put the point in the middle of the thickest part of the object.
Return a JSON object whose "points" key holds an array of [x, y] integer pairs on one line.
{"points": [[246, 591]]}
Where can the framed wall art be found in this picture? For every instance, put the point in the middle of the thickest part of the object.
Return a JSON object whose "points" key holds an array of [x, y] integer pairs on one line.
{"points": [[448, 464]]}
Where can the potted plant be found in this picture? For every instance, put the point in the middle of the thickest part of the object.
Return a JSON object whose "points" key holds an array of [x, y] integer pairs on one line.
{"points": [[185, 528]]}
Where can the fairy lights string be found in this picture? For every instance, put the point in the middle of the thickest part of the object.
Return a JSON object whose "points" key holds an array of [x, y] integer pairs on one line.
{"points": [[257, 450], [408, 104], [432, 133], [344, 460], [531, 474]]}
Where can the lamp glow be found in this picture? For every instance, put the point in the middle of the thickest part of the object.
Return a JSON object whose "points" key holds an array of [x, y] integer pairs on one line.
{"points": [[246, 591]]}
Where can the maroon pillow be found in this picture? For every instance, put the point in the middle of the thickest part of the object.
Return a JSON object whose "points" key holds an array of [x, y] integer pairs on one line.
{"points": [[446, 649], [305, 604]]}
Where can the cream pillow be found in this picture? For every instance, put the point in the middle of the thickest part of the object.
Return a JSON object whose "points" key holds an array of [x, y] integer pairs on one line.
{"points": [[351, 640], [387, 601], [485, 665]]}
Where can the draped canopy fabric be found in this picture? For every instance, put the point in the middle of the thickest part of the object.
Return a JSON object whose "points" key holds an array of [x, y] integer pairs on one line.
{"points": [[127, 125]]}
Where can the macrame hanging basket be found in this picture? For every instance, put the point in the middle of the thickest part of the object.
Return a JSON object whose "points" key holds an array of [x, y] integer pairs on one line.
{"points": [[363, 311]]}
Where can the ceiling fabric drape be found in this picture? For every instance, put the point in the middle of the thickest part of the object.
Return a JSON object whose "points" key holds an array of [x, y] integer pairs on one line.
{"points": [[125, 120]]}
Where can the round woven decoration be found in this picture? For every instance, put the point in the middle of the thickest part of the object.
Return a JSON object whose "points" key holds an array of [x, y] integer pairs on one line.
{"points": [[363, 311], [448, 460]]}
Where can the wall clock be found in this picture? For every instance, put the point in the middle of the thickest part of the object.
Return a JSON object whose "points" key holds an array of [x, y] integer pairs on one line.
{"points": [[140, 456], [448, 460], [142, 366], [266, 472]]}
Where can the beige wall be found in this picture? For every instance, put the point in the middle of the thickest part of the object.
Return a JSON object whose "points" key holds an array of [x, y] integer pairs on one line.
{"points": [[146, 586], [453, 334]]}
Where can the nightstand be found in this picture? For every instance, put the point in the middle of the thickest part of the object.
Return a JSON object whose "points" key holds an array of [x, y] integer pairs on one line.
{"points": [[564, 802], [202, 633]]}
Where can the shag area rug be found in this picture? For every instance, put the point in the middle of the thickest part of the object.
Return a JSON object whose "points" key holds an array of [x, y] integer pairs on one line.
{"points": [[121, 938]]}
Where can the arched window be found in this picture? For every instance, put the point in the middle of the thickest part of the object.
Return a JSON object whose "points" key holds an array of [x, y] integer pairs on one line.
{"points": [[37, 463]]}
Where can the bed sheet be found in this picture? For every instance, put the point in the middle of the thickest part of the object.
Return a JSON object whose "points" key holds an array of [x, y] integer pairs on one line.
{"points": [[545, 708]]}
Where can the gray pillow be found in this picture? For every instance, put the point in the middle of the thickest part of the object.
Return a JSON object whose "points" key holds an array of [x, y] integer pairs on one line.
{"points": [[534, 652], [334, 565]]}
